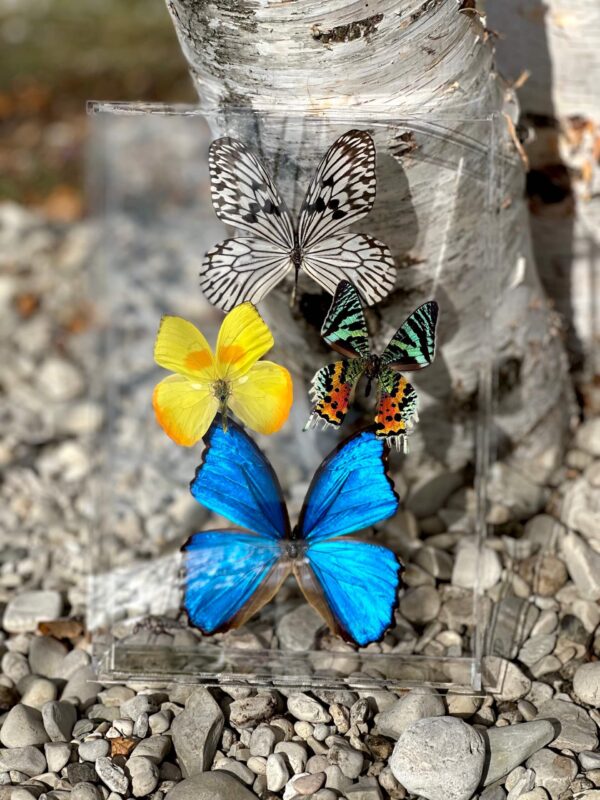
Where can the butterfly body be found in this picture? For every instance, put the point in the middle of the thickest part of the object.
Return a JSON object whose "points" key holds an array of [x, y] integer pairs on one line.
{"points": [[232, 573], [333, 386], [341, 192]]}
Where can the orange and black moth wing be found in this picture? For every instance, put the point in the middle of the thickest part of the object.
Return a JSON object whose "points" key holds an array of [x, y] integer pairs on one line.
{"points": [[332, 391], [396, 408]]}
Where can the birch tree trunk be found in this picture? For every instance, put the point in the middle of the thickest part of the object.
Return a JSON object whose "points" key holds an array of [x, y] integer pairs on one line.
{"points": [[397, 58], [556, 45]]}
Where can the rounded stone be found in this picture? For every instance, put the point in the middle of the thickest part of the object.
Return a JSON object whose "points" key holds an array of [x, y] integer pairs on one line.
{"points": [[420, 604], [216, 785], [439, 758], [416, 704], [86, 791], [586, 683], [143, 774], [46, 656], [277, 772], [297, 630], [306, 708], [22, 727], [93, 749]]}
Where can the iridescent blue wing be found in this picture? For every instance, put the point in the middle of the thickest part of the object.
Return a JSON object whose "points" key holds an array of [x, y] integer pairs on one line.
{"points": [[353, 585], [236, 481], [350, 490], [413, 345], [229, 576]]}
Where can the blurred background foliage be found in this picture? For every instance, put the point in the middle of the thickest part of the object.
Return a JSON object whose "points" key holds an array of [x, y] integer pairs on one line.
{"points": [[55, 55]]}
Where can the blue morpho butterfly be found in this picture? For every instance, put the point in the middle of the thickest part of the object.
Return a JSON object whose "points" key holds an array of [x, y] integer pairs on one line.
{"points": [[231, 574]]}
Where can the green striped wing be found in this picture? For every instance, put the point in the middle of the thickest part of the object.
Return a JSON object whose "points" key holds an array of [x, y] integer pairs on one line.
{"points": [[345, 327], [413, 345]]}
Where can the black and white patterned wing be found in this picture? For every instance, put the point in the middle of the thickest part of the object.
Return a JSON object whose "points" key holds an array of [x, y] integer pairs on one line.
{"points": [[345, 327], [242, 269], [244, 195], [355, 257], [342, 190], [413, 345]]}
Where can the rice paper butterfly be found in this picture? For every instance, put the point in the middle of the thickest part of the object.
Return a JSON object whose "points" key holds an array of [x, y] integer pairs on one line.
{"points": [[342, 191]]}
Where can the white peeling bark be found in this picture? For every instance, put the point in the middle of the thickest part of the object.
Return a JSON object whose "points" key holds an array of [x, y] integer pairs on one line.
{"points": [[428, 61], [558, 43]]}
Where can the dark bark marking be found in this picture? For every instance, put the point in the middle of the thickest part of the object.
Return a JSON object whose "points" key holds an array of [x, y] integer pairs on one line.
{"points": [[347, 33]]}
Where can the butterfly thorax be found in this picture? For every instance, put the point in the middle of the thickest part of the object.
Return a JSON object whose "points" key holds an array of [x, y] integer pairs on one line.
{"points": [[221, 390], [371, 370], [293, 547], [296, 255]]}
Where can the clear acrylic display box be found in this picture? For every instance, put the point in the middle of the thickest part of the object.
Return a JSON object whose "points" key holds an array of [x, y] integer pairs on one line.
{"points": [[438, 187]]}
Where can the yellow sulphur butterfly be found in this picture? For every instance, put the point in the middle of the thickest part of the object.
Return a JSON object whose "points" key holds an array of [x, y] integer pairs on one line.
{"points": [[232, 378]]}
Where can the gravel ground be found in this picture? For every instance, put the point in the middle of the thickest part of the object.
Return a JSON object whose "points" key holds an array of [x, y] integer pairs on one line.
{"points": [[535, 736]]}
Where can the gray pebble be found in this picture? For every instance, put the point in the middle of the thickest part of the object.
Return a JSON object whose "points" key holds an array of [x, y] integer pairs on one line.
{"points": [[263, 740], [476, 567], [141, 726], [247, 711], [420, 604], [577, 731], [583, 565], [537, 647], [141, 704], [504, 679], [46, 656], [277, 772], [553, 772], [57, 755], [586, 683], [143, 774], [216, 785], [154, 747], [306, 784], [28, 760], [297, 630], [301, 706], [160, 722], [81, 687], [241, 771], [296, 755], [92, 749], [589, 760], [81, 772], [416, 704], [15, 666], [336, 779], [454, 763], [59, 719], [512, 745], [72, 662], [197, 732], [365, 789], [27, 609], [86, 791], [349, 760], [115, 696], [23, 726], [112, 775], [258, 764], [36, 692]]}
